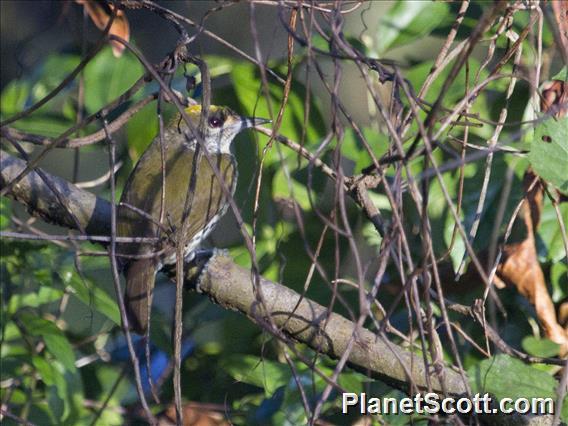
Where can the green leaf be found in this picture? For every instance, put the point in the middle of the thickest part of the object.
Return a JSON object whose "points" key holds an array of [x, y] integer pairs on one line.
{"points": [[268, 375], [417, 76], [56, 342], [353, 381], [66, 396], [288, 188], [353, 149], [549, 152], [37, 326], [550, 243], [107, 77], [218, 66], [14, 96], [141, 130], [248, 88], [540, 347], [507, 377], [371, 235], [33, 300], [561, 75], [53, 71], [44, 369], [5, 211], [61, 349], [91, 295], [457, 251], [43, 124], [407, 21], [559, 281]]}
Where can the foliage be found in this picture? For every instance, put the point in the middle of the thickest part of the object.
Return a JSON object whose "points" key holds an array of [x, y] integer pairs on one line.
{"points": [[60, 340]]}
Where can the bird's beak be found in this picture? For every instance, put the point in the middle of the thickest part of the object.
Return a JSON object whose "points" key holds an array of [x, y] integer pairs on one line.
{"points": [[248, 122]]}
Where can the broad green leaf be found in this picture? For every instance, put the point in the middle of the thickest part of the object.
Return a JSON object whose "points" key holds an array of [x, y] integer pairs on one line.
{"points": [[417, 76], [53, 71], [37, 326], [18, 397], [268, 375], [561, 75], [13, 97], [352, 147], [288, 188], [10, 332], [550, 243], [549, 152], [5, 212], [60, 347], [107, 77], [56, 342], [353, 381], [559, 281], [504, 376], [43, 124], [33, 300], [44, 369], [10, 350], [141, 130], [540, 347], [407, 21], [218, 66], [457, 251], [372, 236], [248, 88], [91, 295]]}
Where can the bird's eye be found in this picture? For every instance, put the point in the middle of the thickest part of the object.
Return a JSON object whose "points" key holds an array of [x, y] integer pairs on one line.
{"points": [[215, 122]]}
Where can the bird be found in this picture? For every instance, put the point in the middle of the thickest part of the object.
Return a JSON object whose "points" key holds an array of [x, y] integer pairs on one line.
{"points": [[190, 207]]}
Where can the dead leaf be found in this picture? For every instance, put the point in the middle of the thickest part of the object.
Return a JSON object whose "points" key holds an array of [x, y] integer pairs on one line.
{"points": [[563, 314], [520, 266], [101, 16], [555, 97], [522, 269], [195, 414]]}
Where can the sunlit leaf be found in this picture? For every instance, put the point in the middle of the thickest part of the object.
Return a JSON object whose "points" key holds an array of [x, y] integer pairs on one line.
{"points": [[91, 295], [507, 377], [106, 78], [248, 87], [268, 375], [540, 347], [13, 97], [549, 152], [407, 21], [53, 337]]}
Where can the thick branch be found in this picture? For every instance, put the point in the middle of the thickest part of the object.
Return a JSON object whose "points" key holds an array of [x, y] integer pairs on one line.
{"points": [[230, 286], [304, 320], [92, 212]]}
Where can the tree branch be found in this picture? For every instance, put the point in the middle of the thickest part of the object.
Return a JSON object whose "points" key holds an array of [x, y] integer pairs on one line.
{"points": [[230, 286]]}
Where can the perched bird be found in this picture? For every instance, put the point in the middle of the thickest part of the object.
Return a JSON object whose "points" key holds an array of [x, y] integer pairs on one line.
{"points": [[189, 207]]}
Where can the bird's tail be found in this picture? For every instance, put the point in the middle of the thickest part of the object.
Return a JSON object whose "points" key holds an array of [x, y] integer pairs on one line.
{"points": [[140, 276]]}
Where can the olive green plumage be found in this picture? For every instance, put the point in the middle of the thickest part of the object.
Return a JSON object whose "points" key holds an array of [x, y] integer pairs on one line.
{"points": [[143, 190]]}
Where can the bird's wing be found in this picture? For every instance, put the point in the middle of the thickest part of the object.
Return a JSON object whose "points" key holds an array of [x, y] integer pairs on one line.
{"points": [[144, 191]]}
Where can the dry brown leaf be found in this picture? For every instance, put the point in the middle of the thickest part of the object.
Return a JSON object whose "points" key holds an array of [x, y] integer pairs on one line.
{"points": [[520, 266], [522, 269], [100, 17], [555, 96], [563, 314], [194, 414]]}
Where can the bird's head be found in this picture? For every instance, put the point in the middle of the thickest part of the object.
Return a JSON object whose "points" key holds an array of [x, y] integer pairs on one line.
{"points": [[223, 124]]}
